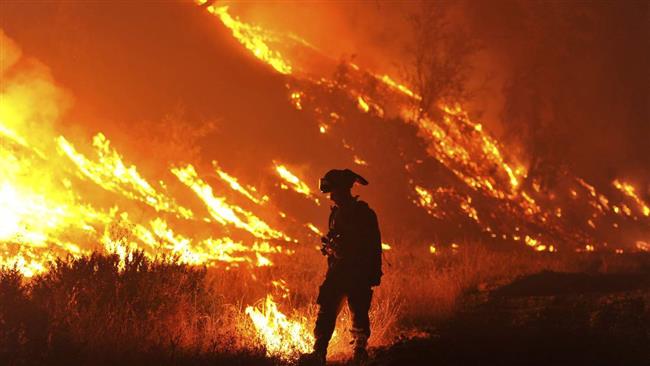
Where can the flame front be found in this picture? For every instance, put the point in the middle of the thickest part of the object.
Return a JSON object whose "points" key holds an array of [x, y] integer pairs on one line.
{"points": [[282, 336], [254, 38], [57, 191], [222, 211], [295, 183]]}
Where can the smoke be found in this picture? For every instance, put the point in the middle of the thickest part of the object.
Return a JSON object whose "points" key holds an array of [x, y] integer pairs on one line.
{"points": [[371, 33], [576, 73], [31, 103], [31, 192], [148, 86]]}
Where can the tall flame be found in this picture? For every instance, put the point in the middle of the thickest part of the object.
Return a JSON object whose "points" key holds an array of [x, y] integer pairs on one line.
{"points": [[253, 38], [282, 336], [294, 182], [112, 174], [222, 211]]}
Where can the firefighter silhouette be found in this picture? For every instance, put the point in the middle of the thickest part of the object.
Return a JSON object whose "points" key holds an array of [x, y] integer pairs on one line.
{"points": [[353, 250]]}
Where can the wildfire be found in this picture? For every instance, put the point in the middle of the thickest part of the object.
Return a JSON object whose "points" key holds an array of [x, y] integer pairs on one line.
{"points": [[221, 211], [39, 212], [110, 172], [314, 229], [158, 237], [628, 190], [357, 160], [425, 197], [282, 336], [42, 210], [393, 84], [363, 105], [462, 145], [294, 182], [254, 38], [249, 192]]}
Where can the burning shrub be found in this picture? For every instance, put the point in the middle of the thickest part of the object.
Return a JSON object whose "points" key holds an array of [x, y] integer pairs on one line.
{"points": [[92, 301]]}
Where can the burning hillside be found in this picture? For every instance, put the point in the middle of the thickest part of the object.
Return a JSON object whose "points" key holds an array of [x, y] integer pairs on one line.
{"points": [[229, 181]]}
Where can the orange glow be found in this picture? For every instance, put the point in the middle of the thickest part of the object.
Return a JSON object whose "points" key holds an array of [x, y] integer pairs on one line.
{"points": [[393, 84], [58, 192], [110, 172], [222, 211], [254, 38], [363, 105], [314, 229], [296, 184], [281, 336], [642, 246], [628, 190], [530, 241], [359, 161], [424, 196], [296, 99], [234, 184]]}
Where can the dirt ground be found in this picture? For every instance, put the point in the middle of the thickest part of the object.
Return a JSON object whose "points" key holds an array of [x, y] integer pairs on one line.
{"points": [[547, 318]]}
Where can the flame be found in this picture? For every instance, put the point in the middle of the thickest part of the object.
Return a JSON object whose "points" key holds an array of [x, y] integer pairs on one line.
{"points": [[263, 261], [36, 214], [222, 211], [296, 99], [235, 185], [425, 197], [110, 172], [467, 149], [628, 190], [363, 105], [531, 241], [314, 229], [466, 206], [294, 182], [393, 84], [359, 161], [281, 336], [159, 237], [39, 213], [488, 145], [254, 38]]}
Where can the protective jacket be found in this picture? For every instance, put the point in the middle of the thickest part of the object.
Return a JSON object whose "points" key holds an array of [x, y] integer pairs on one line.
{"points": [[358, 248]]}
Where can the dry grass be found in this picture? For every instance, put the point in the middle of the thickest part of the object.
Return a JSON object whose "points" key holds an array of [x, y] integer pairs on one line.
{"points": [[91, 310]]}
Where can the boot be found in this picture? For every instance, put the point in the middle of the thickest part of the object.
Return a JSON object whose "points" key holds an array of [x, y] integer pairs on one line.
{"points": [[359, 343], [360, 357], [316, 358]]}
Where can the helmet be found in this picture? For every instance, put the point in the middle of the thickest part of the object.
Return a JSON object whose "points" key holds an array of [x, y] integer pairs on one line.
{"points": [[340, 179]]}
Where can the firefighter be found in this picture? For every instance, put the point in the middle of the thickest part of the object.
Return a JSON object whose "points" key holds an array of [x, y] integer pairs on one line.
{"points": [[353, 250]]}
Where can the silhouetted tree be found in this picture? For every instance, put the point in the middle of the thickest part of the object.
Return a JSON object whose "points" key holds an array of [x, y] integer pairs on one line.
{"points": [[438, 55]]}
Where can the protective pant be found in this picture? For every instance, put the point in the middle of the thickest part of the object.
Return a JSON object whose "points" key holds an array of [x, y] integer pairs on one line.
{"points": [[330, 301]]}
